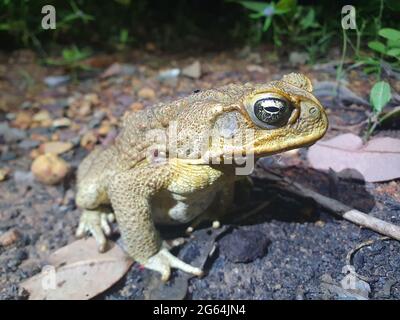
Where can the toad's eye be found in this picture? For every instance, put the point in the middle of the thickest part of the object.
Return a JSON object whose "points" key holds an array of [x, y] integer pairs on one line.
{"points": [[272, 111]]}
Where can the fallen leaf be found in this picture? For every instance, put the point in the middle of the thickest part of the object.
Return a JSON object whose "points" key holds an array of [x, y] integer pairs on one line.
{"points": [[112, 70], [378, 160], [98, 62], [80, 272]]}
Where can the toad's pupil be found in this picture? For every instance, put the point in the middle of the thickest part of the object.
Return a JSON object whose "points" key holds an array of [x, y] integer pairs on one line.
{"points": [[271, 110]]}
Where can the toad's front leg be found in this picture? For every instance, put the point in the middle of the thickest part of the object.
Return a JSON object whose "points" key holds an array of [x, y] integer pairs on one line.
{"points": [[130, 194]]}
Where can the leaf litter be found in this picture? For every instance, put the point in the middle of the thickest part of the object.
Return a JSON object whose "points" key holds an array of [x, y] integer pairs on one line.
{"points": [[78, 271]]}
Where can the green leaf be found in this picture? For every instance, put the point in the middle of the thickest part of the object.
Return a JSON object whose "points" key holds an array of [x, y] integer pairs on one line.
{"points": [[286, 5], [308, 20], [377, 46], [124, 2], [393, 43], [255, 6], [256, 15], [5, 26], [393, 4], [124, 35], [267, 23], [380, 95], [389, 33], [394, 52], [369, 61], [370, 70]]}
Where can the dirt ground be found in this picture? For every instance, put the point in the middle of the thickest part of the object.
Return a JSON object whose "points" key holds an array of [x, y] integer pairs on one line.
{"points": [[289, 250]]}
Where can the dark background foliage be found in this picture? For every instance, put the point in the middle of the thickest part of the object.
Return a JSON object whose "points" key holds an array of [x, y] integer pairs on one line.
{"points": [[175, 25]]}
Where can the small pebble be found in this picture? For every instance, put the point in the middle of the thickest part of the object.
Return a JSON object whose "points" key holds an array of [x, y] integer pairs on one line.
{"points": [[216, 224], [189, 230], [147, 93], [9, 237], [28, 144], [54, 81], [23, 120], [88, 140], [4, 172], [61, 122], [193, 70], [11, 135], [49, 168], [244, 245], [56, 147], [7, 156], [23, 177]]}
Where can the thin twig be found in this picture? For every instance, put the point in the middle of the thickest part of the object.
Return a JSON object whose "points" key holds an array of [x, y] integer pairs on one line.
{"points": [[248, 214], [334, 206]]}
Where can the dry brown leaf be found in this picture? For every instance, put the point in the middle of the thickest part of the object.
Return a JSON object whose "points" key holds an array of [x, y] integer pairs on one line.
{"points": [[378, 160], [112, 70], [81, 272]]}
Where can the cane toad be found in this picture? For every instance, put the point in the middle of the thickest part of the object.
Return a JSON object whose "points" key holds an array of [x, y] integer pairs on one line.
{"points": [[176, 162]]}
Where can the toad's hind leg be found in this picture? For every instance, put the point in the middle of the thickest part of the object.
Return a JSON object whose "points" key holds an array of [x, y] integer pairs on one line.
{"points": [[130, 194]]}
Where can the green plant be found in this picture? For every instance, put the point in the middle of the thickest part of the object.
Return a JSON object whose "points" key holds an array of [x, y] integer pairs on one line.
{"points": [[300, 29], [383, 52], [385, 46], [389, 50], [22, 20], [295, 25], [73, 14], [122, 40], [380, 96], [71, 58], [266, 11]]}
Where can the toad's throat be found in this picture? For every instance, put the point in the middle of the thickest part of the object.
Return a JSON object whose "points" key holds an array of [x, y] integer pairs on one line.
{"points": [[172, 208]]}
